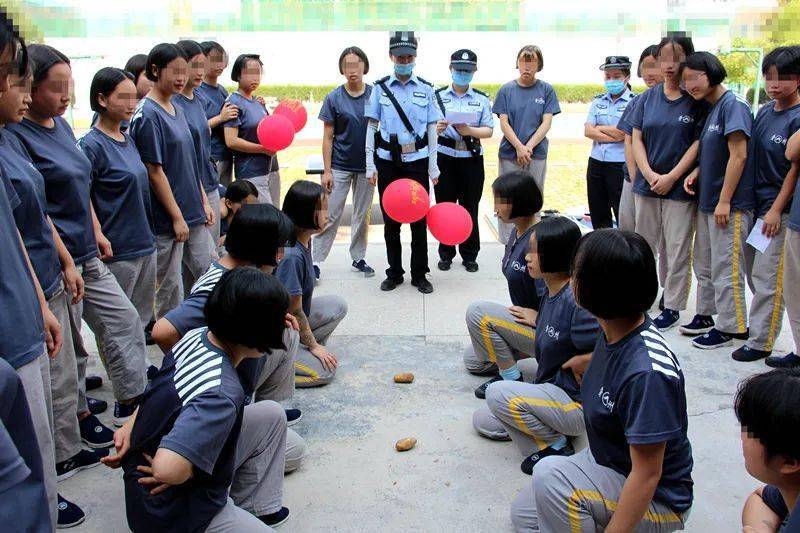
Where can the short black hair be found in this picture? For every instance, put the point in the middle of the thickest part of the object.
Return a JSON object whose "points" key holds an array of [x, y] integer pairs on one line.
{"points": [[768, 407], [355, 50], [520, 189], [650, 51], [248, 307], [531, 50], [239, 64], [159, 57], [614, 274], [708, 63], [239, 190], [256, 232], [136, 65], [11, 37], [679, 38], [44, 58], [301, 202], [105, 82], [210, 46], [785, 59], [190, 48], [556, 238]]}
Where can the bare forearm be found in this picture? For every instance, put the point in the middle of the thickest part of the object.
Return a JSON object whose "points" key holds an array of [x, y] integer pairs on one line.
{"points": [[733, 174], [687, 161], [508, 133], [640, 153], [612, 132], [630, 161], [793, 147], [307, 338], [637, 493], [539, 134], [787, 189], [327, 149], [594, 133], [482, 132]]}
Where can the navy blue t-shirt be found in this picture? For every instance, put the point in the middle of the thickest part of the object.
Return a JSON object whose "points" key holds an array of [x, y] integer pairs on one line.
{"points": [[766, 156], [67, 177], [669, 127], [30, 215], [624, 124], [794, 213], [296, 273], [193, 407], [120, 194], [634, 393], [214, 99], [21, 328], [563, 330], [194, 110], [346, 113], [729, 115], [525, 107], [522, 288], [164, 139], [250, 114], [23, 501]]}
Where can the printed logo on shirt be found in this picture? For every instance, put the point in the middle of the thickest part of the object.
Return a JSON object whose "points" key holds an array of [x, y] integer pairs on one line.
{"points": [[605, 398], [686, 119], [714, 128], [552, 332], [519, 267], [539, 101], [778, 139]]}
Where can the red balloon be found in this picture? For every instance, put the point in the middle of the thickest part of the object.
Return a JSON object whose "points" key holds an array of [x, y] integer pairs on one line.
{"points": [[450, 223], [405, 201], [294, 111], [275, 132]]}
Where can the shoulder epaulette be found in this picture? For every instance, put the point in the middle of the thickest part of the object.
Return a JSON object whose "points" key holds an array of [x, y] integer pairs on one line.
{"points": [[426, 82], [480, 92], [599, 95]]}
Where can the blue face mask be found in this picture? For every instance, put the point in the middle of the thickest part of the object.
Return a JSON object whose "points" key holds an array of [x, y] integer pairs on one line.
{"points": [[404, 70], [462, 78], [615, 86]]}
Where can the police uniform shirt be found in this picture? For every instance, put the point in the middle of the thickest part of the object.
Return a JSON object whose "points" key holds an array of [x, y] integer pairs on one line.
{"points": [[419, 103], [633, 393], [729, 115], [766, 156], [605, 111], [471, 101]]}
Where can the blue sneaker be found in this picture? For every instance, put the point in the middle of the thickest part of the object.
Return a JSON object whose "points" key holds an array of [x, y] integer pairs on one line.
{"points": [[122, 412], [96, 406], [711, 340], [82, 460], [747, 354], [293, 416], [667, 319], [530, 461], [94, 434], [277, 518], [69, 514], [700, 324], [790, 360], [316, 273], [364, 268]]}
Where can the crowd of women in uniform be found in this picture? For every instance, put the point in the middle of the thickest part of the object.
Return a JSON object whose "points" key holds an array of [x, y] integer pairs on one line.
{"points": [[139, 229]]}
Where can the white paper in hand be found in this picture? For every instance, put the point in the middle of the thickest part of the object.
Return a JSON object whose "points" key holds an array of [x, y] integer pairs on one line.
{"points": [[757, 239], [461, 117]]}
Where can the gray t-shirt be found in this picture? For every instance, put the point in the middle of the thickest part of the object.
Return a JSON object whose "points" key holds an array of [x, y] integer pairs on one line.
{"points": [[525, 107], [346, 113]]}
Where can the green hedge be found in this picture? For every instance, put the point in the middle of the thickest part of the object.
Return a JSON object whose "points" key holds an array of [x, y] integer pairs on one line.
{"points": [[567, 93]]}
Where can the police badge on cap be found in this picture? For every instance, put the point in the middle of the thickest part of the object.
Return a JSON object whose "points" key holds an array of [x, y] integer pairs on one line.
{"points": [[616, 62], [403, 43], [464, 60]]}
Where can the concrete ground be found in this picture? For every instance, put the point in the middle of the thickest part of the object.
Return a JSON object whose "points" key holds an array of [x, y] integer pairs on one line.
{"points": [[453, 480]]}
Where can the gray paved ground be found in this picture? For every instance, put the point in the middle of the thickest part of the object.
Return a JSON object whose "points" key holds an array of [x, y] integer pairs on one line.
{"points": [[453, 480]]}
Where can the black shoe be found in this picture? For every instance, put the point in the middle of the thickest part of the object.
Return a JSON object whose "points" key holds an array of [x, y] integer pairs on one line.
{"points": [[423, 285], [444, 265], [69, 514], [293, 416], [317, 274], [480, 392], [530, 461], [741, 336], [661, 302], [122, 412], [470, 266], [96, 406], [747, 354], [148, 333], [389, 284], [82, 460], [94, 434], [277, 518], [699, 325], [152, 370], [93, 382], [364, 268], [790, 360]]}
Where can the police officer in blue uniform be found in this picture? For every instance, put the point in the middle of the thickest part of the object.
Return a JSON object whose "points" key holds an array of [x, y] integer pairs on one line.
{"points": [[460, 155], [401, 134], [604, 174]]}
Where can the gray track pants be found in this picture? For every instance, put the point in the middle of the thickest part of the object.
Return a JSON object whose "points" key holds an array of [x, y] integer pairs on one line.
{"points": [[792, 285], [326, 314], [269, 188], [137, 278], [196, 254], [767, 282], [495, 336]]}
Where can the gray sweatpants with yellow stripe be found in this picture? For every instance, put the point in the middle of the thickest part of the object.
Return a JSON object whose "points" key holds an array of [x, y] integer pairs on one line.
{"points": [[326, 313], [720, 265], [792, 263], [495, 337], [766, 282], [578, 495]]}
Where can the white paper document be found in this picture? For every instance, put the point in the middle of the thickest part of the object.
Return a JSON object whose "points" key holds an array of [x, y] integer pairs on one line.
{"points": [[461, 117], [757, 239]]}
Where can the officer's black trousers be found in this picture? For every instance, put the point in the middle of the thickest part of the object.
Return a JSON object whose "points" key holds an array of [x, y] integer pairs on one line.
{"points": [[388, 172], [604, 188], [461, 181]]}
